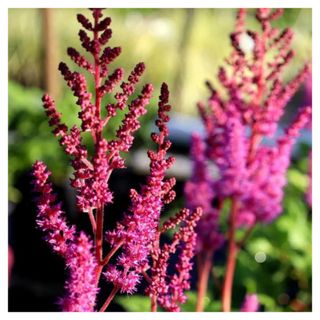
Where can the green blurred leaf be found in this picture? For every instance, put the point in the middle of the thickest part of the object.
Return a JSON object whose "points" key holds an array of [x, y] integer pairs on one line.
{"points": [[298, 179], [135, 303]]}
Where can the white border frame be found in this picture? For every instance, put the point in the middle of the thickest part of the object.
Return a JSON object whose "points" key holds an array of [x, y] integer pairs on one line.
{"points": [[315, 5]]}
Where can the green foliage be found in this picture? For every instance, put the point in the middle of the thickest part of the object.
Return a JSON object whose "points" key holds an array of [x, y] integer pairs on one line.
{"points": [[29, 136], [209, 303], [135, 303]]}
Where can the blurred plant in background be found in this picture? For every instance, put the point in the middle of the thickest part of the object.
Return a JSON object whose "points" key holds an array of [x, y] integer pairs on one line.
{"points": [[244, 143], [281, 251]]}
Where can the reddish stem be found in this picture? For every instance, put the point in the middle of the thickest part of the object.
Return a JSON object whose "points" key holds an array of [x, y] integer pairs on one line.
{"points": [[97, 79], [109, 299], [253, 145], [154, 304], [233, 246], [155, 257], [92, 220], [96, 137], [204, 267], [98, 274], [246, 236], [231, 260], [146, 277], [111, 253], [99, 234]]}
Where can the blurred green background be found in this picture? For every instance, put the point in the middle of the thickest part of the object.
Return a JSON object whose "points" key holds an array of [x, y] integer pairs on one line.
{"points": [[182, 47]]}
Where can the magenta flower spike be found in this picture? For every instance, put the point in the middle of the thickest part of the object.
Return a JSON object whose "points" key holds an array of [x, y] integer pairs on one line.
{"points": [[51, 218], [134, 244], [139, 233], [237, 119], [81, 287]]}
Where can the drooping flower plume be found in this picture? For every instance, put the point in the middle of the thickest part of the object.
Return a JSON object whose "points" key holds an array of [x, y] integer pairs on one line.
{"points": [[51, 218]]}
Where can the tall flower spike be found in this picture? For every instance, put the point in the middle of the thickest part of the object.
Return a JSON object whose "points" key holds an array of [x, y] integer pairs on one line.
{"points": [[256, 99], [139, 228], [91, 175], [169, 290], [85, 260], [237, 119]]}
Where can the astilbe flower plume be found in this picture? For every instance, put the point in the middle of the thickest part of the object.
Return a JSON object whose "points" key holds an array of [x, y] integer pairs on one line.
{"points": [[256, 101], [76, 250], [139, 226], [51, 217], [139, 232], [237, 120], [82, 284], [134, 244], [169, 290]]}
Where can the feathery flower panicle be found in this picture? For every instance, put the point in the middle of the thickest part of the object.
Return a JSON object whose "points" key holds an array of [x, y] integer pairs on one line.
{"points": [[268, 175], [169, 289], [249, 171], [50, 216], [237, 119], [81, 287], [91, 175], [139, 227], [76, 250], [136, 233], [250, 303], [139, 233]]}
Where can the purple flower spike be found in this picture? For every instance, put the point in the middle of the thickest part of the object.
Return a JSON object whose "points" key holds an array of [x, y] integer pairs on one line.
{"points": [[135, 240], [81, 287]]}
